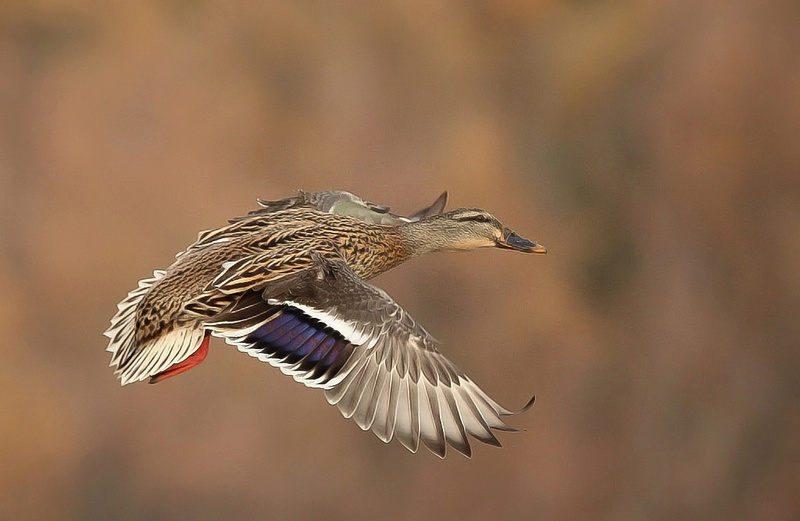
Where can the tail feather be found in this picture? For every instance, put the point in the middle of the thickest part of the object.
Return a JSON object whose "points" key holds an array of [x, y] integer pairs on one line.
{"points": [[133, 362]]}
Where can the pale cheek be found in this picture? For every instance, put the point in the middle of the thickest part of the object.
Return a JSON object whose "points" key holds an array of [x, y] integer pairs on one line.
{"points": [[476, 243]]}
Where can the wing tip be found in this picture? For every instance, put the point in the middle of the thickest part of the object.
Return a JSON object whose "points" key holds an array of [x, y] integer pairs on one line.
{"points": [[524, 408]]}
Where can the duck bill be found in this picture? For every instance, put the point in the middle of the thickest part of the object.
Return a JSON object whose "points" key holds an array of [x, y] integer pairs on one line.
{"points": [[512, 241]]}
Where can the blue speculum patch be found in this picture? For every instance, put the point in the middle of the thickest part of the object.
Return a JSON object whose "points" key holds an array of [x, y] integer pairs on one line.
{"points": [[293, 337]]}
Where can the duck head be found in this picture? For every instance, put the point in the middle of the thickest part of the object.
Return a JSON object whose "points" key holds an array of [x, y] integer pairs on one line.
{"points": [[468, 229]]}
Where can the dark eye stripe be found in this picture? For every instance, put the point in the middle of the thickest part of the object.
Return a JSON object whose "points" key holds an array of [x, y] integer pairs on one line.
{"points": [[478, 217]]}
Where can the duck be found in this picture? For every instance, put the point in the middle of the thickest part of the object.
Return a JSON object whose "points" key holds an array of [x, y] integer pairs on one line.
{"points": [[288, 284]]}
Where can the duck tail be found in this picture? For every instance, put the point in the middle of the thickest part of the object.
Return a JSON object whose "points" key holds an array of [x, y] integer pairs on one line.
{"points": [[133, 362]]}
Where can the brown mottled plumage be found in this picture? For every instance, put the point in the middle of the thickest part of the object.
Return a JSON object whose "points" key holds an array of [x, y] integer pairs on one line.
{"points": [[287, 284]]}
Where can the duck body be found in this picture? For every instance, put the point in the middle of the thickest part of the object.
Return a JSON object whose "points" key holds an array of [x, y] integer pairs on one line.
{"points": [[288, 285], [251, 252]]}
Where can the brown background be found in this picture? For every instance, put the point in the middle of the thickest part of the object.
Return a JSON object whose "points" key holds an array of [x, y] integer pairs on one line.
{"points": [[652, 146]]}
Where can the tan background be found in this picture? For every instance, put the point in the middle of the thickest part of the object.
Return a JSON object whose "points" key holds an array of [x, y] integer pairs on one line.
{"points": [[652, 146]]}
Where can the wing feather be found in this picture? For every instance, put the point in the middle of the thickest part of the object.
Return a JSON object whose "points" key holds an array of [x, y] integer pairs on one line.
{"points": [[328, 328]]}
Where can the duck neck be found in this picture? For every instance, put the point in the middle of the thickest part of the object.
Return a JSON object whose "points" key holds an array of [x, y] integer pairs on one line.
{"points": [[424, 236]]}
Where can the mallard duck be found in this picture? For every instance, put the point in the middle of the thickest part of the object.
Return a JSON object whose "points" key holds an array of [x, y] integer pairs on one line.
{"points": [[287, 284]]}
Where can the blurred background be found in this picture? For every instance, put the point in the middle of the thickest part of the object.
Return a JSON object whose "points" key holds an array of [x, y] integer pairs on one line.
{"points": [[651, 146]]}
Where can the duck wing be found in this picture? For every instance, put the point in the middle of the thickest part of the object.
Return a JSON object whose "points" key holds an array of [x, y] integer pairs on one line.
{"points": [[434, 209], [345, 203], [328, 328]]}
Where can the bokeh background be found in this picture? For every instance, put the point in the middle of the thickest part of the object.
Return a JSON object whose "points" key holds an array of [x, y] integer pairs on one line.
{"points": [[652, 146]]}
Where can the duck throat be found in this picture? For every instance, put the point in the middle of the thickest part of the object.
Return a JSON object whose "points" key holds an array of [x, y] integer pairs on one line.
{"points": [[425, 236]]}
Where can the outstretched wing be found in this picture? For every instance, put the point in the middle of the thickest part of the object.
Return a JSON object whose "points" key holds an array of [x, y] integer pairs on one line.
{"points": [[328, 328], [346, 203]]}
